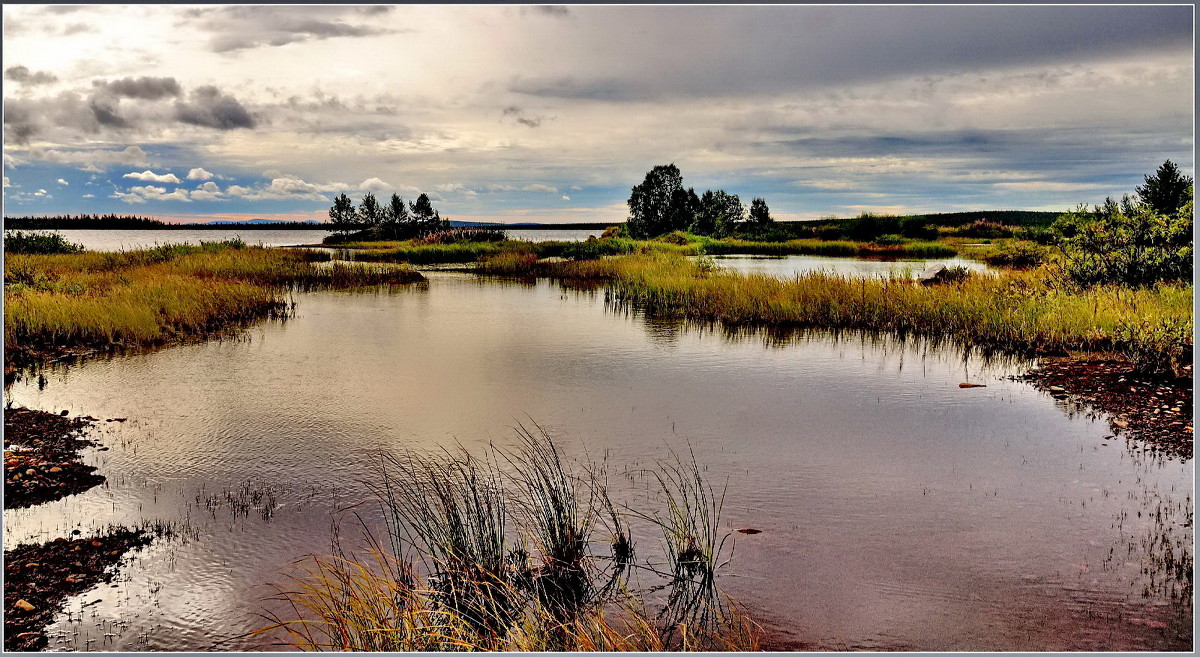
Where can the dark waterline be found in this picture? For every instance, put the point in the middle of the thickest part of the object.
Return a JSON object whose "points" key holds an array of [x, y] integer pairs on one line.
{"points": [[898, 510]]}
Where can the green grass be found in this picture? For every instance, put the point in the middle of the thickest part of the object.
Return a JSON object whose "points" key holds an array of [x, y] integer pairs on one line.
{"points": [[1018, 313], [90, 299]]}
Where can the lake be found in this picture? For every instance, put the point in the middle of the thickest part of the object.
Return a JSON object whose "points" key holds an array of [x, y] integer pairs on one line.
{"points": [[118, 240], [898, 511]]}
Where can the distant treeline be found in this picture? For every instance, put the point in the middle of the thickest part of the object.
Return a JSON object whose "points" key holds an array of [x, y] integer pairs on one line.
{"points": [[131, 222]]}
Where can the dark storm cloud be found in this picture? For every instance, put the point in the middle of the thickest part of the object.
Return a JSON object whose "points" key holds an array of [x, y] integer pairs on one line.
{"points": [[238, 28], [23, 75], [122, 105], [208, 106], [145, 88], [639, 53]]}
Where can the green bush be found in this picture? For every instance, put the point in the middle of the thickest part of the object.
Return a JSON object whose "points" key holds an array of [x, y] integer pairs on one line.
{"points": [[1018, 255], [38, 243], [1127, 243]]}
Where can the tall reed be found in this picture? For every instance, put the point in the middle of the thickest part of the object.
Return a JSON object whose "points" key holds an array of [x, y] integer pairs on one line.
{"points": [[520, 549]]}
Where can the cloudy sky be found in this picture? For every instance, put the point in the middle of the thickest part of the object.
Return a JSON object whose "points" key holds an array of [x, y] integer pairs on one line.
{"points": [[553, 113]]}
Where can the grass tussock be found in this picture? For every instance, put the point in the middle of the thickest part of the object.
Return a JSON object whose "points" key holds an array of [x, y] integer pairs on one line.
{"points": [[157, 295], [522, 550], [1020, 312]]}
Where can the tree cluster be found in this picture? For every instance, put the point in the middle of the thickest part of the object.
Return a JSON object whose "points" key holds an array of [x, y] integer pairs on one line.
{"points": [[395, 220], [1140, 240], [661, 205]]}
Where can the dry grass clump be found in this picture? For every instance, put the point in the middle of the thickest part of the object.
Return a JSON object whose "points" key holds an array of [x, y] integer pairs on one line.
{"points": [[521, 550]]}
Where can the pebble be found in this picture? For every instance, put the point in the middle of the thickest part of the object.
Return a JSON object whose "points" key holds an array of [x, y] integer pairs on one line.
{"points": [[24, 605]]}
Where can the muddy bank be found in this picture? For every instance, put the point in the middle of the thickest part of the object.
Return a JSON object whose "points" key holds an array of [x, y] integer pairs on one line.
{"points": [[1154, 412], [41, 457], [38, 579]]}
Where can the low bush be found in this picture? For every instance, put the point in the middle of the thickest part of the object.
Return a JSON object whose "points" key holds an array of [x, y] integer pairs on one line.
{"points": [[38, 243]]}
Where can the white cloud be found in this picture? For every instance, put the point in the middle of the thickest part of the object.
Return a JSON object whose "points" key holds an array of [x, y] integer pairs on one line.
{"points": [[142, 193], [7, 183], [566, 198], [209, 191], [62, 182], [538, 187], [284, 187], [128, 198], [199, 174], [373, 185], [89, 196], [42, 193], [150, 176]]}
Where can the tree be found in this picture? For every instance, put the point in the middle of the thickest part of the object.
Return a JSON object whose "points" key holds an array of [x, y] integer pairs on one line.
{"points": [[396, 212], [342, 211], [659, 204], [425, 219], [369, 211], [760, 214], [717, 213], [1166, 190]]}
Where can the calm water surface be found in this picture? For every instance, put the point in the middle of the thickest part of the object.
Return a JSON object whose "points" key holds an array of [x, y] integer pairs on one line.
{"points": [[118, 240], [898, 511], [789, 266]]}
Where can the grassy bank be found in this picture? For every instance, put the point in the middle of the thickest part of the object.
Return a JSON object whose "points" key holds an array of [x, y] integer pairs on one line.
{"points": [[1025, 313], [90, 299], [683, 244]]}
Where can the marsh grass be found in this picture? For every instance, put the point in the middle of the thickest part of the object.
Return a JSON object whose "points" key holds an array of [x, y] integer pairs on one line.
{"points": [[1020, 313], [520, 549], [418, 252], [158, 295]]}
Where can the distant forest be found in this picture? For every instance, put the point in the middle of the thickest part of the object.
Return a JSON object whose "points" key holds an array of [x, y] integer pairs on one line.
{"points": [[132, 222]]}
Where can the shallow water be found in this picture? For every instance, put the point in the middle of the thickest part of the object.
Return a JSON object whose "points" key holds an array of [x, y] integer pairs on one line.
{"points": [[790, 266], [898, 511]]}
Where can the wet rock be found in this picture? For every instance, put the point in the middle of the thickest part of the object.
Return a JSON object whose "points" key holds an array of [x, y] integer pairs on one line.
{"points": [[749, 530], [972, 385]]}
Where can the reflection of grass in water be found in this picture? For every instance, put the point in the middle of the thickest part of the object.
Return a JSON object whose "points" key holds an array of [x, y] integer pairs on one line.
{"points": [[520, 550], [260, 497]]}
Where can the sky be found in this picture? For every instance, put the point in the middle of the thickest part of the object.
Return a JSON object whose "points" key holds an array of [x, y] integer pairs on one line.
{"points": [[551, 114]]}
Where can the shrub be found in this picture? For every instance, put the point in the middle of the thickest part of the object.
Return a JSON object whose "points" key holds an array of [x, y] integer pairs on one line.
{"points": [[1125, 243], [889, 240], [38, 243], [1018, 255]]}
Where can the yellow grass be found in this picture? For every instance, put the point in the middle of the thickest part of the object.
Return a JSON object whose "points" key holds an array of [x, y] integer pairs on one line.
{"points": [[156, 295]]}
